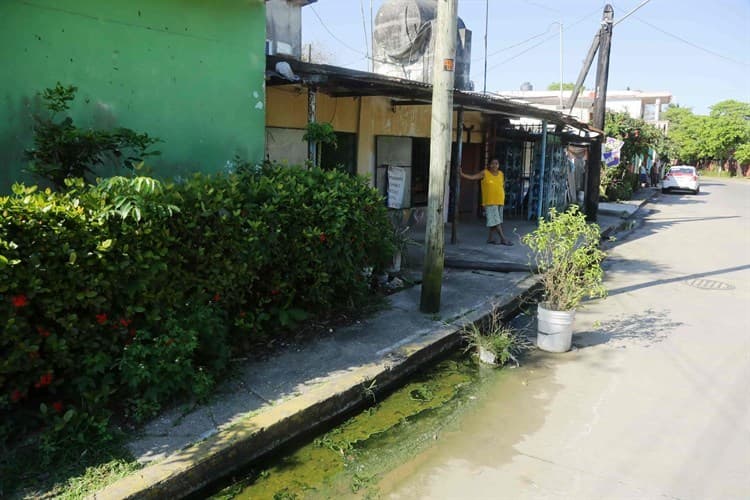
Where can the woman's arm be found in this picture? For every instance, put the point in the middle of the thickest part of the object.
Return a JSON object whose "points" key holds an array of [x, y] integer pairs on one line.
{"points": [[471, 177]]}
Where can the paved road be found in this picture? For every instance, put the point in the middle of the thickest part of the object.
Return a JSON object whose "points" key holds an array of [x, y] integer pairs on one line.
{"points": [[655, 400]]}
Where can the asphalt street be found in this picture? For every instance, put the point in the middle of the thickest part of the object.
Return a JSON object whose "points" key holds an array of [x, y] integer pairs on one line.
{"points": [[654, 399]]}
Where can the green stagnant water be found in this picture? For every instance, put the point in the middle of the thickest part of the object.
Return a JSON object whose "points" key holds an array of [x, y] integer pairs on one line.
{"points": [[348, 460]]}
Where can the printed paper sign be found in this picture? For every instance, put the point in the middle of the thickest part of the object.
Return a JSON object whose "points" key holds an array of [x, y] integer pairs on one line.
{"points": [[611, 151]]}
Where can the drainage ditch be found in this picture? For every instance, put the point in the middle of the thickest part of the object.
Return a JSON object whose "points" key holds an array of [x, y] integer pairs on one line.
{"points": [[347, 460]]}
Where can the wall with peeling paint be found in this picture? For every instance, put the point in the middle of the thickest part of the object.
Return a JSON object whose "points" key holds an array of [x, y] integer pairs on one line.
{"points": [[190, 72], [368, 117]]}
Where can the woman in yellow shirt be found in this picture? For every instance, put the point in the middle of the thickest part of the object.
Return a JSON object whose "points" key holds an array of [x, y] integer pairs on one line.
{"points": [[493, 199]]}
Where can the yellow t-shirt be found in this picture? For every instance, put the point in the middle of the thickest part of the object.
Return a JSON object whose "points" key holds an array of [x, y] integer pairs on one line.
{"points": [[493, 188]]}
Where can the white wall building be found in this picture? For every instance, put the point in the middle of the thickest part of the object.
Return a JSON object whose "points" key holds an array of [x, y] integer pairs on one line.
{"points": [[647, 106]]}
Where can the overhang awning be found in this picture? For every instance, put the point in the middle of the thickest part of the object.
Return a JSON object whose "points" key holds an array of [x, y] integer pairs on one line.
{"points": [[343, 82]]}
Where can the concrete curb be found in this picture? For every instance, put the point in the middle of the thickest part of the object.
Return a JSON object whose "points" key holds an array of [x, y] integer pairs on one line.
{"points": [[189, 471], [626, 220]]}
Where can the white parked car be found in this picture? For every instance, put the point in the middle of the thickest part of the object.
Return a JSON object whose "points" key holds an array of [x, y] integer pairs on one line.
{"points": [[682, 177]]}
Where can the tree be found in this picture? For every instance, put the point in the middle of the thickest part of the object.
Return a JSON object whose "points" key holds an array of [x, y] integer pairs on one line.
{"points": [[565, 86], [742, 153], [714, 137], [685, 132], [731, 107], [723, 135], [638, 136]]}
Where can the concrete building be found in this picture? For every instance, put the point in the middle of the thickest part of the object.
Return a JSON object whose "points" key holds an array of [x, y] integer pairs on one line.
{"points": [[284, 27], [189, 73], [647, 106]]}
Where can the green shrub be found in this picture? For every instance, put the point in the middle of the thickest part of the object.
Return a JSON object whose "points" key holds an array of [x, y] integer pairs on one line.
{"points": [[123, 296], [62, 150], [617, 184]]}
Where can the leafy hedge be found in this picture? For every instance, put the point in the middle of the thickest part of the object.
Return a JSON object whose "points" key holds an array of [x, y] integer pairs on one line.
{"points": [[617, 183], [118, 297]]}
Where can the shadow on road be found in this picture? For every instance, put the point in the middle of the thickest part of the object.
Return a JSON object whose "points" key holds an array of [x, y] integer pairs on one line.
{"points": [[686, 278], [646, 328]]}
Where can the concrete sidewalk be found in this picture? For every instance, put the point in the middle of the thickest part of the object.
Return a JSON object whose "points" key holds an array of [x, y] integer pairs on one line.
{"points": [[265, 404]]}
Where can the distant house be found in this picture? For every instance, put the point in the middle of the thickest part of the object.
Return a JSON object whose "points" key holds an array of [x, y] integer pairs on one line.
{"points": [[647, 106], [190, 73]]}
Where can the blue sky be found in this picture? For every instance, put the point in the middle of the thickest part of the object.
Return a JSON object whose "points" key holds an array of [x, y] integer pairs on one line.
{"points": [[711, 62]]}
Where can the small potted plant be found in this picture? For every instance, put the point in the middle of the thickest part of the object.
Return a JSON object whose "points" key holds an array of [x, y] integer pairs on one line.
{"points": [[566, 251]]}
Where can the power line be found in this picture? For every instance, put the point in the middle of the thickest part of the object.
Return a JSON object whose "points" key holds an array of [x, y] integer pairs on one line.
{"points": [[549, 9], [644, 2], [364, 27], [552, 37], [325, 27], [357, 51], [523, 51], [688, 42], [538, 35], [534, 37]]}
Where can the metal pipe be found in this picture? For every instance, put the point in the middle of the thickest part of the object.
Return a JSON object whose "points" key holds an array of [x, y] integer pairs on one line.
{"points": [[486, 25], [311, 105], [561, 65], [541, 171], [456, 175]]}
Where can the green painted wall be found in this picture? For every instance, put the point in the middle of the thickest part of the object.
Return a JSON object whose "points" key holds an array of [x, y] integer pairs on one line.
{"points": [[190, 72]]}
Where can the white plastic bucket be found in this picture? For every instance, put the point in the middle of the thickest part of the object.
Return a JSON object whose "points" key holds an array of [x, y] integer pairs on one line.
{"points": [[554, 329]]}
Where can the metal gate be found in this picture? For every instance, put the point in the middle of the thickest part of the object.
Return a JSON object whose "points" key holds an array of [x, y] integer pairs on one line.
{"points": [[554, 185]]}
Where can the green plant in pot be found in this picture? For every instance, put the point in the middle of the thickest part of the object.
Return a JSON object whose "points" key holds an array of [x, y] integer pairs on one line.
{"points": [[566, 251]]}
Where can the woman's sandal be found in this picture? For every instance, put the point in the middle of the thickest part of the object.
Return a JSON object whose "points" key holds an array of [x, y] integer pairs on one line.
{"points": [[507, 243], [493, 242]]}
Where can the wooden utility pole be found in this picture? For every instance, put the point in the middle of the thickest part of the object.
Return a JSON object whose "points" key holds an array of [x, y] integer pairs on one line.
{"points": [[445, 32], [600, 101]]}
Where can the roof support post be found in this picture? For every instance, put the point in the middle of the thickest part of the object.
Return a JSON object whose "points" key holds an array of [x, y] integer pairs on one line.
{"points": [[311, 111], [456, 176], [542, 165]]}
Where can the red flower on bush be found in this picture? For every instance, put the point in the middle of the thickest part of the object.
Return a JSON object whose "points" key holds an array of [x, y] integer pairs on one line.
{"points": [[20, 301], [275, 292], [58, 406], [323, 237], [43, 332], [125, 322], [243, 314], [44, 380], [101, 318], [16, 396], [217, 297], [33, 354]]}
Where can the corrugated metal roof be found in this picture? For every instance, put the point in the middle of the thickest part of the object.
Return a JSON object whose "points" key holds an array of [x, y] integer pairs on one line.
{"points": [[343, 82]]}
